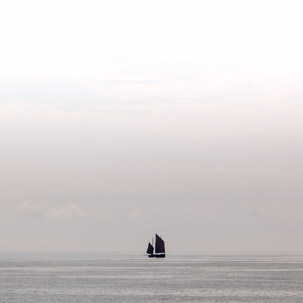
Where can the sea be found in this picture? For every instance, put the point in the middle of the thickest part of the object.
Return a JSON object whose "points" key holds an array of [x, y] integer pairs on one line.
{"points": [[91, 278]]}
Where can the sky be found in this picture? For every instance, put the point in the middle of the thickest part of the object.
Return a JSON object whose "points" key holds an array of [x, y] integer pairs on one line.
{"points": [[121, 119]]}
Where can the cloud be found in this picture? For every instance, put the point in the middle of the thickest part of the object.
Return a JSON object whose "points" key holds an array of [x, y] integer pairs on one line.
{"points": [[43, 210], [28, 208], [65, 212]]}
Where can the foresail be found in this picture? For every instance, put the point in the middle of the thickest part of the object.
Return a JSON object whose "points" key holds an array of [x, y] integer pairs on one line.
{"points": [[150, 249]]}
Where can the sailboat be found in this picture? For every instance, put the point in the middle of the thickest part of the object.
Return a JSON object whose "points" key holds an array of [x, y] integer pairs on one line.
{"points": [[159, 248]]}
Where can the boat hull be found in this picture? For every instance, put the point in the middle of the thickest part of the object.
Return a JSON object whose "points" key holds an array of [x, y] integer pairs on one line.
{"points": [[157, 256]]}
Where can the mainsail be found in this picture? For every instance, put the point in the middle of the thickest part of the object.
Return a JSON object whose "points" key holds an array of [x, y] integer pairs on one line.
{"points": [[160, 247], [150, 249]]}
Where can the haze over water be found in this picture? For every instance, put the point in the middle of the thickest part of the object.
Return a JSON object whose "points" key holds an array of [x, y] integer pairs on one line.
{"points": [[121, 119]]}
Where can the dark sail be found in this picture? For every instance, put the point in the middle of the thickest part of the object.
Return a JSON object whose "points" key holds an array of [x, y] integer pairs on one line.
{"points": [[160, 247], [150, 249]]}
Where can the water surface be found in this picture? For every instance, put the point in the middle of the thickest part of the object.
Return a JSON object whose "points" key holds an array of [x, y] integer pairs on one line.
{"points": [[95, 278]]}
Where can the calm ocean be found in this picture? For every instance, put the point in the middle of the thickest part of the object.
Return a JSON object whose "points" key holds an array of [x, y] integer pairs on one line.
{"points": [[96, 278]]}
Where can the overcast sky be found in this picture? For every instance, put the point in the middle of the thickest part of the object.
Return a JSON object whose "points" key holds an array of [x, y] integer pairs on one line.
{"points": [[119, 119]]}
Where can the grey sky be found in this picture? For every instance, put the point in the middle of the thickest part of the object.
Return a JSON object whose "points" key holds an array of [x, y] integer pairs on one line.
{"points": [[120, 120]]}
